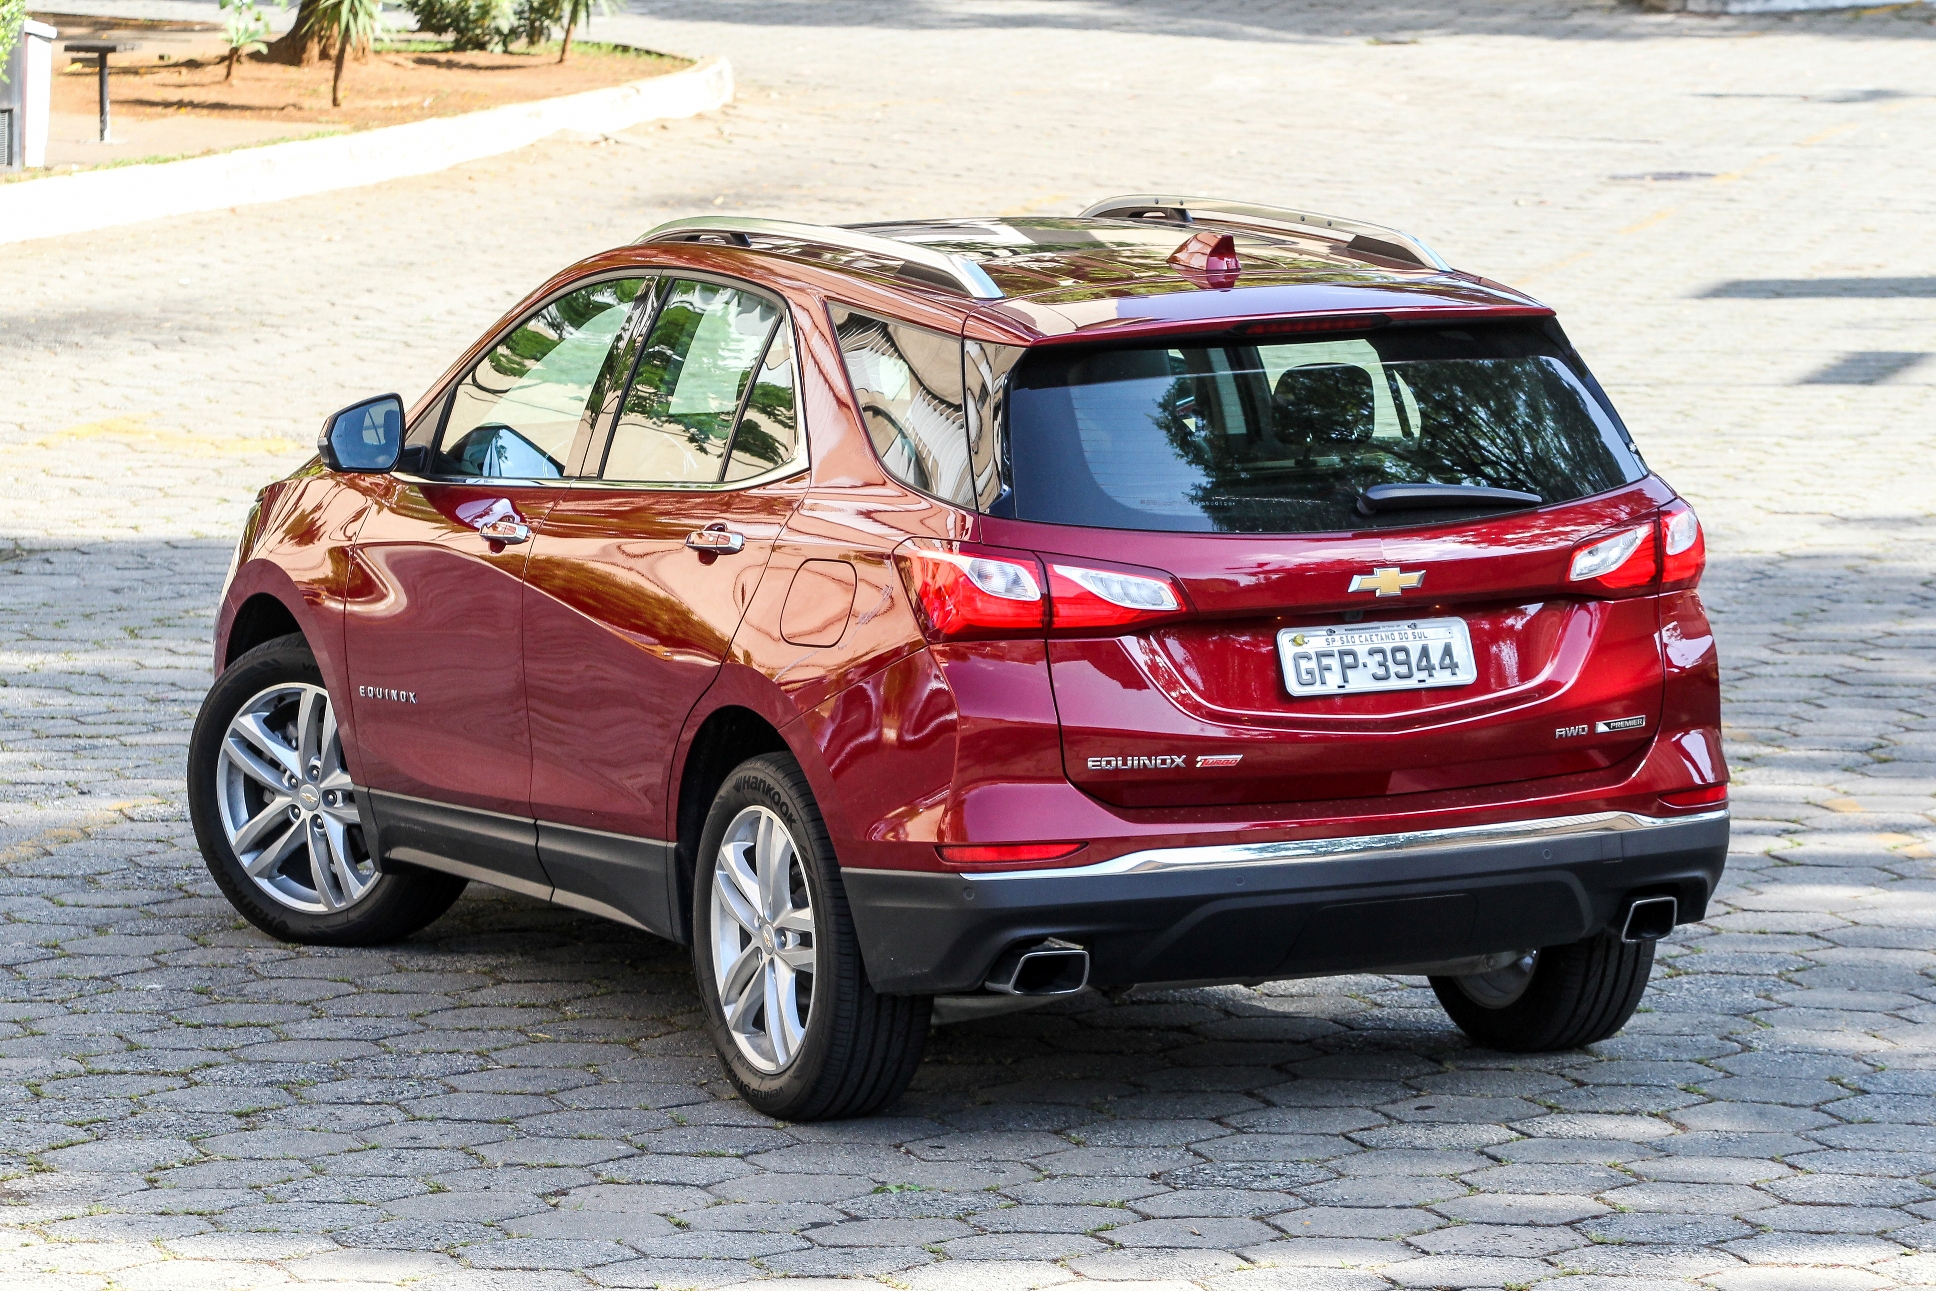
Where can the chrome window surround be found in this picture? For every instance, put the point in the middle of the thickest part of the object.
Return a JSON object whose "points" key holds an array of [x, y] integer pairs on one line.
{"points": [[1263, 219], [1170, 859], [964, 273]]}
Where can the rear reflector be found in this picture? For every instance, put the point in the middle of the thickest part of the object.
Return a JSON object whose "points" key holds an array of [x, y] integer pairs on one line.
{"points": [[1709, 796], [1007, 853]]}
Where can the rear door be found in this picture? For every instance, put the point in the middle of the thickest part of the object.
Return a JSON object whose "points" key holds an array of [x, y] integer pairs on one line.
{"points": [[1372, 536], [638, 579]]}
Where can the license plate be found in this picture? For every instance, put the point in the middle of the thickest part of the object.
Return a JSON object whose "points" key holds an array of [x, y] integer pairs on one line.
{"points": [[1356, 659]]}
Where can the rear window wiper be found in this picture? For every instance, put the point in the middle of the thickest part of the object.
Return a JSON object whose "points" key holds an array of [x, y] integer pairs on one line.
{"points": [[1432, 497]]}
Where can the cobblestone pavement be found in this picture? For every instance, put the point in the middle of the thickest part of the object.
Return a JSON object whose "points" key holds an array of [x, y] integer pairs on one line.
{"points": [[520, 1097]]}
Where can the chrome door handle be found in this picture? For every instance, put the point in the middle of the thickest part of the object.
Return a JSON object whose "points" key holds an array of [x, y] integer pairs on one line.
{"points": [[505, 531], [716, 542]]}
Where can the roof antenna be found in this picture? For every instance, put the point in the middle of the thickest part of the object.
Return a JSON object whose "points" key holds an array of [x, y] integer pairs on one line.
{"points": [[1211, 257]]}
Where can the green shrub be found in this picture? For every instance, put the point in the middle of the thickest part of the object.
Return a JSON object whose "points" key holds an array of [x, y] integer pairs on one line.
{"points": [[488, 24]]}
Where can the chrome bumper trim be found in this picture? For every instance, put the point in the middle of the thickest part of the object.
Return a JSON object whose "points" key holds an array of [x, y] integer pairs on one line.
{"points": [[1162, 859]]}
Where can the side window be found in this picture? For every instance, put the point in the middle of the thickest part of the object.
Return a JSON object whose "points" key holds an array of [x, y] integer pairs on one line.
{"points": [[908, 382], [698, 362], [769, 428], [520, 410]]}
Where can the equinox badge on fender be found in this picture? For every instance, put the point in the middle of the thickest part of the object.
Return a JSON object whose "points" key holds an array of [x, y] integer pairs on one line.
{"points": [[381, 692]]}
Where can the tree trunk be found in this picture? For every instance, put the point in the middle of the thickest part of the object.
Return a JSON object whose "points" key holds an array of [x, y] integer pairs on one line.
{"points": [[233, 51], [569, 24], [297, 46], [336, 86]]}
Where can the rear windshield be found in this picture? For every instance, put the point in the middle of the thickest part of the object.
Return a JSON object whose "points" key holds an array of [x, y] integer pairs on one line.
{"points": [[1284, 437]]}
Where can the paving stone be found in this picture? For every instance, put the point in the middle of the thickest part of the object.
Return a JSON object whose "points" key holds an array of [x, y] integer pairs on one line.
{"points": [[1050, 1219], [1496, 1239], [1510, 1208], [1465, 1270], [1022, 1246], [985, 1275]]}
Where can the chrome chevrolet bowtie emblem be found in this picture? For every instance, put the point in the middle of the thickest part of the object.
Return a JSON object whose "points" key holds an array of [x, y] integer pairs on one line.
{"points": [[1389, 581]]}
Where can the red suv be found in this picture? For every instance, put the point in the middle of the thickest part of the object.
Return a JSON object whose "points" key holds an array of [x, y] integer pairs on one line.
{"points": [[922, 619]]}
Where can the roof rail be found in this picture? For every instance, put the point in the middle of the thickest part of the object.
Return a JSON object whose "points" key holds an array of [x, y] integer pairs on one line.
{"points": [[1373, 238], [930, 265]]}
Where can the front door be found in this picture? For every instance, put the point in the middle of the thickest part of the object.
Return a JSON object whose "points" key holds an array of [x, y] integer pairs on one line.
{"points": [[637, 583], [435, 593]]}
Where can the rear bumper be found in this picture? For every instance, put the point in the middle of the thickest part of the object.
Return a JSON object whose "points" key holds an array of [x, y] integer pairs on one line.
{"points": [[1258, 911]]}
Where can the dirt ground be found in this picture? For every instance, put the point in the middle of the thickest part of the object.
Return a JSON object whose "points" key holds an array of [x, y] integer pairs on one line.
{"points": [[388, 87]]}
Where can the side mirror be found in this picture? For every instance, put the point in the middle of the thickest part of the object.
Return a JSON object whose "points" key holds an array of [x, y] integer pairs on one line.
{"points": [[363, 437]]}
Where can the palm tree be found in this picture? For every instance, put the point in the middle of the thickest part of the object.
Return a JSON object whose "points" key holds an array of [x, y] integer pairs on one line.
{"points": [[581, 9], [346, 24]]}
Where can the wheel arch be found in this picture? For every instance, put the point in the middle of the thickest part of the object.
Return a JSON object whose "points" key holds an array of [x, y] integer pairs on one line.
{"points": [[258, 620], [727, 736]]}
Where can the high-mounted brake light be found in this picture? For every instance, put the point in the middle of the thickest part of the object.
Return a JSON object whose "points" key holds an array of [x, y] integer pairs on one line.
{"points": [[1620, 562], [1335, 323], [1683, 547], [1081, 597], [963, 595]]}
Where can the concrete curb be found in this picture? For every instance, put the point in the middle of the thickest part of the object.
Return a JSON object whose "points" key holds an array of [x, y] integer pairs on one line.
{"points": [[99, 199]]}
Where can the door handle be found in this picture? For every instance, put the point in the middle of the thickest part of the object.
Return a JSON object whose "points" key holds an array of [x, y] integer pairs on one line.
{"points": [[505, 531], [716, 540]]}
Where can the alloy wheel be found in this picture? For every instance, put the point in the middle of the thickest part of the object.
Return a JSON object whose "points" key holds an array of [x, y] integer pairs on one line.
{"points": [[287, 805], [763, 939], [1502, 986]]}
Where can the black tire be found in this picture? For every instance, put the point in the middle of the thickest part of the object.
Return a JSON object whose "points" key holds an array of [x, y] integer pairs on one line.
{"points": [[392, 907], [1577, 994], [858, 1050]]}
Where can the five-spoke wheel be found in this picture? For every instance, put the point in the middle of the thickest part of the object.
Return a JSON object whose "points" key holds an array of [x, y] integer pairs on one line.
{"points": [[763, 939], [287, 803], [787, 1000], [277, 815]]}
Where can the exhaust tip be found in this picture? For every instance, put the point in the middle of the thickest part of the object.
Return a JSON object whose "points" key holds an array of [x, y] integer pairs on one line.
{"points": [[1051, 967], [1650, 919]]}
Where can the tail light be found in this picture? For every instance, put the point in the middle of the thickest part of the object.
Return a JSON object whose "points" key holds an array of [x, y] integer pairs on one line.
{"points": [[1622, 563], [1082, 597], [970, 593], [1628, 561], [1683, 547]]}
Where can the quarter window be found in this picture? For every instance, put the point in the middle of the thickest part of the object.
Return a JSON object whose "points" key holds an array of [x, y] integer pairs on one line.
{"points": [[521, 409], [703, 353], [769, 429], [908, 382]]}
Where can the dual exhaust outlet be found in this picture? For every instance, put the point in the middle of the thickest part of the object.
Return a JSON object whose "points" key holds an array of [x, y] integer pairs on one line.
{"points": [[1051, 967], [1057, 967], [1649, 919]]}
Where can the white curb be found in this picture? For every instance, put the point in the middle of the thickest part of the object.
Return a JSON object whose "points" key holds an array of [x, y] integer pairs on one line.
{"points": [[99, 199]]}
